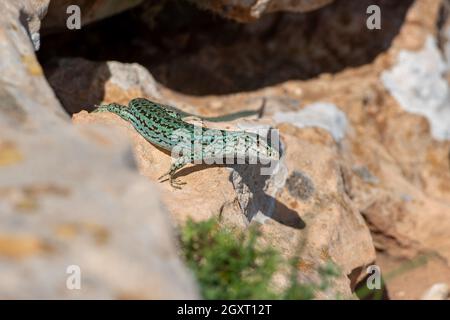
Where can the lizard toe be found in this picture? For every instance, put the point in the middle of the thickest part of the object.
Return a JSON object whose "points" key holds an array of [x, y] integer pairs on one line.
{"points": [[177, 183], [163, 176]]}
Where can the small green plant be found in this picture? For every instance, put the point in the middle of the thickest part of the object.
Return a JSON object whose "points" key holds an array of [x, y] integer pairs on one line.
{"points": [[230, 265]]}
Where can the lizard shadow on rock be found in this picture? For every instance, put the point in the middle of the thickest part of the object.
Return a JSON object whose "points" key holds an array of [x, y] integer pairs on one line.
{"points": [[249, 185], [248, 180]]}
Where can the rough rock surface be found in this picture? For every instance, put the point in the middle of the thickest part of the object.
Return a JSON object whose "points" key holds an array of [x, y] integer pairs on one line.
{"points": [[23, 88], [91, 11], [369, 155], [30, 14], [438, 291], [63, 208], [71, 196], [363, 117], [310, 213], [94, 81], [418, 84]]}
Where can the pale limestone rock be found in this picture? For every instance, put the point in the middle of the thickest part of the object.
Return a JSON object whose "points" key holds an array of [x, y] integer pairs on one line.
{"points": [[439, 291], [71, 196], [23, 88], [418, 84], [322, 115], [81, 203]]}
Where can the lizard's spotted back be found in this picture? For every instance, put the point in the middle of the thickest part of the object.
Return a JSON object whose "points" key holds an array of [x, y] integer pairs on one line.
{"points": [[165, 127]]}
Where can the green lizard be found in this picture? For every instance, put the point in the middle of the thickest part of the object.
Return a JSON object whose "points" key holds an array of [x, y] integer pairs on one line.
{"points": [[165, 127]]}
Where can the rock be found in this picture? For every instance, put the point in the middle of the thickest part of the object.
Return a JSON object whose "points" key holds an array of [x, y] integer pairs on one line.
{"points": [[418, 84], [328, 221], [321, 221], [81, 204], [321, 115], [439, 291], [362, 116], [33, 12], [92, 82], [409, 211], [245, 11], [23, 88], [270, 51], [91, 11], [70, 198], [310, 219]]}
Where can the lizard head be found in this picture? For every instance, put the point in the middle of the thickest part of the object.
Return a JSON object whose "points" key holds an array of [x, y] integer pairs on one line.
{"points": [[267, 149], [261, 147], [116, 108]]}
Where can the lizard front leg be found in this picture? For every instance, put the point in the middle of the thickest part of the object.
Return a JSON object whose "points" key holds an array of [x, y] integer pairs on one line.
{"points": [[176, 165]]}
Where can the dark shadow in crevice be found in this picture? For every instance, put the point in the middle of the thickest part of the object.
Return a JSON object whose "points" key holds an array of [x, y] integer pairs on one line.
{"points": [[79, 84], [442, 26], [198, 53]]}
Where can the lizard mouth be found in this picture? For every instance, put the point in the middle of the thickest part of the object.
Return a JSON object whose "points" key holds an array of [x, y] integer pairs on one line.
{"points": [[100, 109]]}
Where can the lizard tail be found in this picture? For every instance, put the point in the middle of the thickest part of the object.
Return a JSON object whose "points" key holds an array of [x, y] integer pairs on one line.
{"points": [[240, 114]]}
